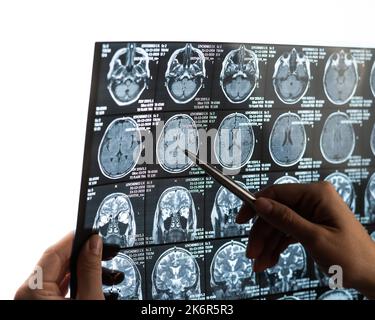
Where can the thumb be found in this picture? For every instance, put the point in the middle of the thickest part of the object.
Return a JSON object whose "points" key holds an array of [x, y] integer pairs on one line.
{"points": [[89, 270]]}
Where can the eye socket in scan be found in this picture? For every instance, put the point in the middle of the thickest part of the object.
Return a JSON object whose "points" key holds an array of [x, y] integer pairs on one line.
{"points": [[344, 188]]}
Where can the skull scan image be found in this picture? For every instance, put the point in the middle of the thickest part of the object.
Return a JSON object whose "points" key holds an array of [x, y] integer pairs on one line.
{"points": [[291, 77], [372, 79], [230, 271], [175, 217], [234, 141], [130, 287], [292, 265], [337, 140], [239, 74], [120, 148], [128, 74], [176, 276], [370, 199], [344, 188], [287, 142], [185, 74], [340, 77], [336, 294], [372, 140], [115, 220], [178, 134], [286, 179]]}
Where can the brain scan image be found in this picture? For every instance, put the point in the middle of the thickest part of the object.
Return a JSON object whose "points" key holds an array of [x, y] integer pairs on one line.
{"points": [[224, 213], [370, 199], [337, 140], [344, 188], [372, 79], [372, 140], [230, 271], [115, 220], [130, 286], [336, 294], [287, 142], [120, 148], [176, 276], [175, 217], [178, 134], [239, 74], [288, 298], [234, 141], [128, 74], [286, 179], [185, 73], [292, 265], [291, 77], [340, 77]]}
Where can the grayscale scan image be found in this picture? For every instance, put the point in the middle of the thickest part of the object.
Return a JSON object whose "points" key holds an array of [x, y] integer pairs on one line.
{"points": [[175, 217], [115, 220], [178, 134], [337, 140], [336, 294], [185, 73], [234, 141], [120, 148], [372, 140], [321, 276], [286, 179], [129, 286], [230, 271], [291, 77], [372, 235], [344, 188], [288, 298], [176, 276], [128, 74], [239, 74], [369, 201], [372, 79], [287, 142], [340, 77]]}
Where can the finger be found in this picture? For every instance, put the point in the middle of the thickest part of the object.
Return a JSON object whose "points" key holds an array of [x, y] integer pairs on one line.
{"points": [[64, 285], [246, 213], [89, 270], [257, 237]]}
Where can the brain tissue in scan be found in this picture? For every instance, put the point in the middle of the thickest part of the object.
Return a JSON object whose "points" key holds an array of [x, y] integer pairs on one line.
{"points": [[128, 287], [175, 217], [344, 188], [234, 141], [286, 179], [128, 74], [120, 148], [115, 220], [372, 79], [336, 294], [185, 73], [176, 276], [230, 271], [291, 77], [337, 140], [287, 142], [239, 74], [340, 77], [178, 134], [370, 199]]}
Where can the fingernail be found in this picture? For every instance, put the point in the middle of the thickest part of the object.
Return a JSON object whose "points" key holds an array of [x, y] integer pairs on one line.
{"points": [[95, 245], [263, 205]]}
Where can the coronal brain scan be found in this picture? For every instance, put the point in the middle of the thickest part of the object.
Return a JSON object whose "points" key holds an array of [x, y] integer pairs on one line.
{"points": [[185, 73], [120, 148], [176, 276], [340, 77], [127, 287], [128, 74], [234, 141], [336, 294], [286, 179], [175, 217], [230, 271], [369, 201], [239, 74], [291, 77], [178, 134], [344, 188], [337, 139], [287, 142]]}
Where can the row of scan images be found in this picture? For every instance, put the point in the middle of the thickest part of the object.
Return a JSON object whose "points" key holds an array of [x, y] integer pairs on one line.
{"points": [[182, 71]]}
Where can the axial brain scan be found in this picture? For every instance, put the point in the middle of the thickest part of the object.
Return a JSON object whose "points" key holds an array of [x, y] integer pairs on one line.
{"points": [[340, 77], [286, 179], [344, 188], [130, 286], [234, 141], [230, 271], [287, 142], [128, 74], [175, 217], [291, 77], [176, 276], [120, 148], [185, 73], [239, 74], [336, 294], [115, 220], [370, 199], [178, 134], [337, 140]]}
